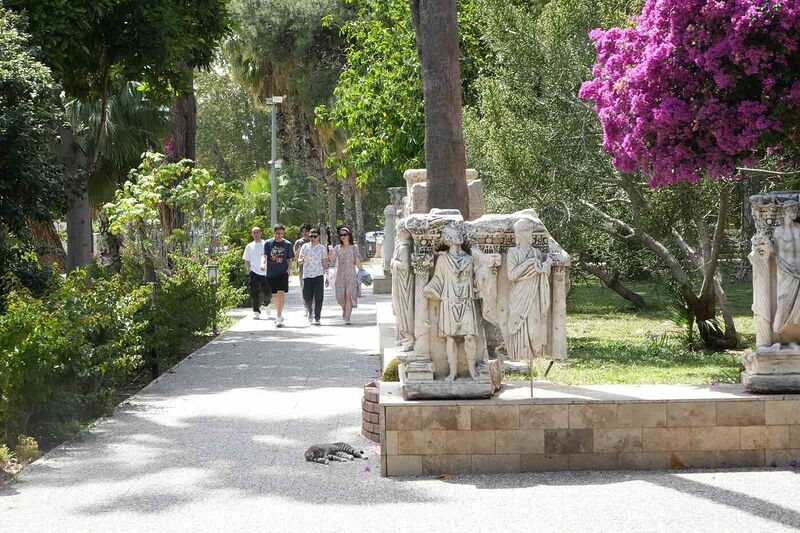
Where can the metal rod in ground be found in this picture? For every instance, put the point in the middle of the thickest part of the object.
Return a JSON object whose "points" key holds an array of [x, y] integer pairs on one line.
{"points": [[531, 371], [548, 368]]}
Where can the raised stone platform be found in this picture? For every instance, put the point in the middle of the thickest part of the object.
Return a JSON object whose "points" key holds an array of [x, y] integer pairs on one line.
{"points": [[609, 427]]}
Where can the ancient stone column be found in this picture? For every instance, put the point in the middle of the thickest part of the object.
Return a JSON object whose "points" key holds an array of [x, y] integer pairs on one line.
{"points": [[390, 216]]}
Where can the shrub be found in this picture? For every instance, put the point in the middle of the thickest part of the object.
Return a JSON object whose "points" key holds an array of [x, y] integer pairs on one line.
{"points": [[62, 357], [231, 268], [5, 455], [391, 372], [27, 449]]}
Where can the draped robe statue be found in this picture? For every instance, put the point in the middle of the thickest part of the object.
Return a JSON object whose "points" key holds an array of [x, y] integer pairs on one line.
{"points": [[403, 290], [787, 247], [529, 297]]}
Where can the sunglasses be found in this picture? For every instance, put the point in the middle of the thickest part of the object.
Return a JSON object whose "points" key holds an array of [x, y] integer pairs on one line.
{"points": [[314, 236]]}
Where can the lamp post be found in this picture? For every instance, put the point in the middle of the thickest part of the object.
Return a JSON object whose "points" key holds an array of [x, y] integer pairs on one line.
{"points": [[212, 280], [273, 183]]}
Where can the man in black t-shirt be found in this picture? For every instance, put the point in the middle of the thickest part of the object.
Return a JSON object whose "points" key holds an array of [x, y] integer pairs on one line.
{"points": [[279, 254]]}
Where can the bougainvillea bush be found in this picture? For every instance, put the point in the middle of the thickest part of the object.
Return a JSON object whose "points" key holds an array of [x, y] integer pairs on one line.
{"points": [[698, 87]]}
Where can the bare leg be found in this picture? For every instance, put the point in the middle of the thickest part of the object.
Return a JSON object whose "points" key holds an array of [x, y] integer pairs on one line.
{"points": [[348, 305], [452, 359], [279, 299], [471, 347]]}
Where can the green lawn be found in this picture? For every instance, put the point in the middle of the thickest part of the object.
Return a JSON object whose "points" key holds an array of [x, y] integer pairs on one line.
{"points": [[611, 342]]}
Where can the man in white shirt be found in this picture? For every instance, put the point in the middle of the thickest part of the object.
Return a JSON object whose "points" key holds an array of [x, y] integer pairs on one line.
{"points": [[256, 268]]}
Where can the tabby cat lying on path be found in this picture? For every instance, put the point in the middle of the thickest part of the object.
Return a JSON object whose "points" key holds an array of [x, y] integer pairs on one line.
{"points": [[338, 451]]}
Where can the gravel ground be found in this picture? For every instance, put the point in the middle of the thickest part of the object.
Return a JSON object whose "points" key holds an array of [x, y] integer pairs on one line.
{"points": [[217, 446]]}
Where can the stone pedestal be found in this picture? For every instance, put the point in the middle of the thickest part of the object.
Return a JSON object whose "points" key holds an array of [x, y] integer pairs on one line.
{"points": [[774, 367], [417, 192], [485, 386]]}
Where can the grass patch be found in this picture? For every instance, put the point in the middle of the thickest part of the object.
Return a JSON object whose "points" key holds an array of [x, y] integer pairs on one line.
{"points": [[609, 341]]}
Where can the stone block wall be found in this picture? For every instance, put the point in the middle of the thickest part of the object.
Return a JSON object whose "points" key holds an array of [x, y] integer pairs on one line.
{"points": [[370, 412], [498, 437]]}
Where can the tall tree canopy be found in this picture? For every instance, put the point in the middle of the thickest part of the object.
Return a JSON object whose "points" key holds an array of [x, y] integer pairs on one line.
{"points": [[32, 183]]}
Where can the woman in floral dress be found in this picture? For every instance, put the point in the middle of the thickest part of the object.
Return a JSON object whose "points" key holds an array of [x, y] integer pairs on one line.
{"points": [[347, 261]]}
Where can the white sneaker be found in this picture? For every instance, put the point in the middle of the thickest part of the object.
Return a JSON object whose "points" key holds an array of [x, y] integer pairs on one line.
{"points": [[347, 321], [256, 315], [279, 322], [316, 323], [267, 310], [310, 319]]}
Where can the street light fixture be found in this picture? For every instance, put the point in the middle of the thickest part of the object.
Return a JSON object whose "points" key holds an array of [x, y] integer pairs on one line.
{"points": [[212, 269], [273, 182]]}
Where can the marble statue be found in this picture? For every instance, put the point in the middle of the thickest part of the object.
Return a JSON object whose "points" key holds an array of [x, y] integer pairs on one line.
{"points": [[529, 298], [787, 259], [463, 289], [403, 290], [774, 366], [453, 286]]}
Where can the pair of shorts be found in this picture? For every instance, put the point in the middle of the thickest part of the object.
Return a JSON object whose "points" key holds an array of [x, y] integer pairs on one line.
{"points": [[279, 283]]}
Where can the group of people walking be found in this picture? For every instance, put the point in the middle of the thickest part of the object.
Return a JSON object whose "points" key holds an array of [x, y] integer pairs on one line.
{"points": [[269, 262]]}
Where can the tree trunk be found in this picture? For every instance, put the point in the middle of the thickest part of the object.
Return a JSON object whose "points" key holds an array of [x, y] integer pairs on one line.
{"points": [[79, 214], [347, 204], [47, 243], [183, 127], [748, 229], [436, 27], [330, 185], [611, 280], [360, 233]]}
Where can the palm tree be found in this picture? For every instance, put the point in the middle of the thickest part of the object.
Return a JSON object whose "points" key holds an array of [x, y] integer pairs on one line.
{"points": [[131, 125], [436, 26]]}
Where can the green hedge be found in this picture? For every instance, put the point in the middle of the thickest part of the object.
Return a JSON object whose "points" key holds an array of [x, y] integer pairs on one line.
{"points": [[64, 355]]}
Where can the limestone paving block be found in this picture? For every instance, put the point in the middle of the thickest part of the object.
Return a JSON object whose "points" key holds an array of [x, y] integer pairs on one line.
{"points": [[390, 446], [765, 437], [458, 442], [421, 442], [543, 462], [564, 441], [494, 417], [495, 464], [794, 436], [446, 417], [593, 415], [406, 418], [446, 464], [644, 460], [593, 461], [404, 465], [716, 438], [690, 414], [780, 412], [483, 442], [642, 415], [666, 439], [519, 441], [790, 457], [618, 440], [736, 413], [717, 459], [549, 416]]}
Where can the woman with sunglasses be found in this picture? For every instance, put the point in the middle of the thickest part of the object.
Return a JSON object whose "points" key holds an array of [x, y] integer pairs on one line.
{"points": [[347, 260]]}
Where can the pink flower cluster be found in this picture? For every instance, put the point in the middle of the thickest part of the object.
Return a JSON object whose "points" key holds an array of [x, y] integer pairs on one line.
{"points": [[698, 87]]}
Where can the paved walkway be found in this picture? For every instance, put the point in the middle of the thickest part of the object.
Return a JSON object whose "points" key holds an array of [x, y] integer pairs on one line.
{"points": [[217, 447]]}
